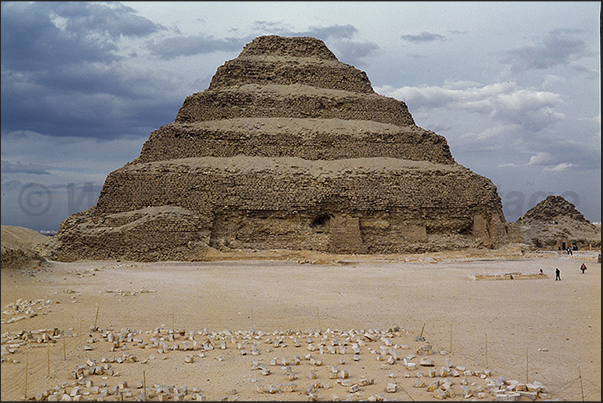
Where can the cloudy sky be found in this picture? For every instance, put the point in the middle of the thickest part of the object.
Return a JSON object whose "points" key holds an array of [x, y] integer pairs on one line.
{"points": [[513, 86]]}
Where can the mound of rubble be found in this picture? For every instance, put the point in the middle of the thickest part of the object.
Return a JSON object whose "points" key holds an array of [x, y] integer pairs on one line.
{"points": [[288, 149], [18, 245], [556, 224]]}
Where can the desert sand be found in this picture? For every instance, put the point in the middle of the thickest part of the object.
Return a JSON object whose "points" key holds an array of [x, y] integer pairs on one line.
{"points": [[533, 331]]}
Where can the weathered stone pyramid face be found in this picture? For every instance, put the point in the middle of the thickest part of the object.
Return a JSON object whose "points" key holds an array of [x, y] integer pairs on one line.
{"points": [[552, 208], [555, 223], [290, 149]]}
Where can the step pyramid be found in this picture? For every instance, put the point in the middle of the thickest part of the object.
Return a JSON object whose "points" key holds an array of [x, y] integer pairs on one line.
{"points": [[555, 223], [288, 149]]}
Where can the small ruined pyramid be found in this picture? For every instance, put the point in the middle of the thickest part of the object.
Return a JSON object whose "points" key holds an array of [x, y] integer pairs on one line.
{"points": [[555, 223], [288, 149]]}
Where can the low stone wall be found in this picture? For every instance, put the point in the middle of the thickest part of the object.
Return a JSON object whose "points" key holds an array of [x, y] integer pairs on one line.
{"points": [[508, 276]]}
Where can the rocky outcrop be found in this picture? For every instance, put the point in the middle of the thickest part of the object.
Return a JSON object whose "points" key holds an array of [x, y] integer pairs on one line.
{"points": [[18, 247], [288, 148], [556, 224]]}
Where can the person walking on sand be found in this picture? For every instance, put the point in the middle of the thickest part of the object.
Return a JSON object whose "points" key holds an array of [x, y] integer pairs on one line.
{"points": [[583, 267], [557, 274]]}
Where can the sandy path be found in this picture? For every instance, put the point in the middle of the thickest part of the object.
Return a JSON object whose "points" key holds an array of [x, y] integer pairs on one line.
{"points": [[551, 327]]}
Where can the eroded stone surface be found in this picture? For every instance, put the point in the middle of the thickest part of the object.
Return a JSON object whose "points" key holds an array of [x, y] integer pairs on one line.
{"points": [[289, 149]]}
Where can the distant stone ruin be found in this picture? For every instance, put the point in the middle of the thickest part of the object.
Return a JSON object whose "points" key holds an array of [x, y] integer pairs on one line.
{"points": [[288, 149], [556, 224]]}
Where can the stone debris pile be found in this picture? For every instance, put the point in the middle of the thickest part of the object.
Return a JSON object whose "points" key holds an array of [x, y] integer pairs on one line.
{"points": [[356, 364], [24, 309], [129, 293]]}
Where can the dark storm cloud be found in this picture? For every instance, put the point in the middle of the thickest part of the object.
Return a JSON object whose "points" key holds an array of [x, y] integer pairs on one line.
{"points": [[62, 73], [557, 48], [110, 19], [46, 35], [354, 53], [12, 185], [422, 37], [170, 48], [34, 169], [331, 32]]}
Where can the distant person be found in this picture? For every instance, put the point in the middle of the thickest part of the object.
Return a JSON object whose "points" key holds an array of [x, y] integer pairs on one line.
{"points": [[557, 274], [541, 271], [583, 267]]}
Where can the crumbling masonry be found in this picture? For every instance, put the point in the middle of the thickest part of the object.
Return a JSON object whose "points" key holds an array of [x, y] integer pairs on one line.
{"points": [[291, 149]]}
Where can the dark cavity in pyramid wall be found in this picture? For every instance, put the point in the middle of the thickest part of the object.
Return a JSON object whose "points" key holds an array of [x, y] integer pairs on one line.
{"points": [[290, 149]]}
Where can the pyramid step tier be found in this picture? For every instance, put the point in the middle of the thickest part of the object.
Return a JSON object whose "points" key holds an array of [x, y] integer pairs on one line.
{"points": [[287, 71], [291, 101], [311, 139]]}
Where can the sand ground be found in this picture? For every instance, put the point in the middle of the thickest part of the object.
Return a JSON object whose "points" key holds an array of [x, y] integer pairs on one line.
{"points": [[527, 330]]}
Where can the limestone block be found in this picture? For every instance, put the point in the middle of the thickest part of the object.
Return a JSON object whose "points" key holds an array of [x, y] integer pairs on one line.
{"points": [[433, 386], [439, 394], [529, 395], [419, 384], [533, 387], [288, 387], [366, 381], [450, 392], [391, 388]]}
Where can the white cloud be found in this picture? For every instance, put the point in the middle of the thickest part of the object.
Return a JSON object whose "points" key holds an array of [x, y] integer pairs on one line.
{"points": [[540, 158], [506, 102], [507, 165], [558, 168], [490, 134]]}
